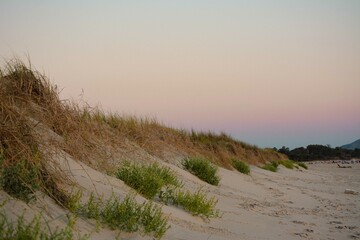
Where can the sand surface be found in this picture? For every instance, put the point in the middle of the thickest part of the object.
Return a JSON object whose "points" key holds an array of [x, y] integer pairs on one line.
{"points": [[288, 204]]}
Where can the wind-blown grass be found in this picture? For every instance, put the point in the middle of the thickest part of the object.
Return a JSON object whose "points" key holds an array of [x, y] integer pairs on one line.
{"points": [[196, 203], [32, 230], [20, 180], [147, 180], [303, 165], [84, 132], [287, 163], [153, 180], [272, 166], [203, 169], [126, 215], [241, 166], [79, 124]]}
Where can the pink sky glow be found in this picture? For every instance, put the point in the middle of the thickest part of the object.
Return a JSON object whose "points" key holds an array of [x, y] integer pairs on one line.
{"points": [[270, 73]]}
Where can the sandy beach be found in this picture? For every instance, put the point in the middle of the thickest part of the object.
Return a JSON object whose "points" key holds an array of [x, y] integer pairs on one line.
{"points": [[288, 204]]}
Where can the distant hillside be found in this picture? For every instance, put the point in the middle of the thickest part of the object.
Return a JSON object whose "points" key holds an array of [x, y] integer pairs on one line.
{"points": [[352, 146]]}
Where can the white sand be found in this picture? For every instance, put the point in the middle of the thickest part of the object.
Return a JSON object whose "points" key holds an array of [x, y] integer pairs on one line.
{"points": [[288, 204]]}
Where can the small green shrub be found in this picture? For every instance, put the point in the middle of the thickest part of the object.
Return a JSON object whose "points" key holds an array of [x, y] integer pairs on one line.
{"points": [[152, 220], [92, 209], [165, 174], [275, 164], [20, 179], [147, 180], [32, 230], [271, 166], [303, 165], [287, 163], [126, 215], [197, 203], [203, 169], [241, 166], [73, 203]]}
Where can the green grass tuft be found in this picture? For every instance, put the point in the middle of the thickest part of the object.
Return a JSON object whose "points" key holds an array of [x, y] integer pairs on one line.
{"points": [[20, 179], [21, 230], [126, 215], [147, 180], [287, 163], [197, 203], [154, 180], [272, 166], [303, 165], [241, 166], [203, 169]]}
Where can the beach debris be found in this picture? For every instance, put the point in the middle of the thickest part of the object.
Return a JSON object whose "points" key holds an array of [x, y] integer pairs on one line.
{"points": [[351, 191]]}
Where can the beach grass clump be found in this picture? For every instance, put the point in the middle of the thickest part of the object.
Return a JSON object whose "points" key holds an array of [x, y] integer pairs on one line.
{"points": [[287, 163], [126, 215], [241, 166], [272, 166], [303, 165], [148, 180], [21, 229], [153, 180], [20, 179], [203, 169], [196, 203]]}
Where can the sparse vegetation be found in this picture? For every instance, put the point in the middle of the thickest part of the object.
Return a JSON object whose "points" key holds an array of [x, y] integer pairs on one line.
{"points": [[203, 169], [126, 215], [147, 180], [196, 203], [32, 93], [303, 165], [287, 163], [241, 166], [20, 180], [30, 106], [153, 180], [272, 166], [21, 230]]}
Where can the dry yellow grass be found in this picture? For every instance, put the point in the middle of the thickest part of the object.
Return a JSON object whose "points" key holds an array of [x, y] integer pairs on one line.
{"points": [[95, 137]]}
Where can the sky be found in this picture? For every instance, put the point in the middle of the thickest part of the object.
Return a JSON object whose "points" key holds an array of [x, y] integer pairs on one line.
{"points": [[271, 73]]}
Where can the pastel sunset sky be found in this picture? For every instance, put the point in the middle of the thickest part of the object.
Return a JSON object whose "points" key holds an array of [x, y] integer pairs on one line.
{"points": [[272, 73]]}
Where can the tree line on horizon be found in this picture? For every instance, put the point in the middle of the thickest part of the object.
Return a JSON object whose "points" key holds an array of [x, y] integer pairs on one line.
{"points": [[319, 152]]}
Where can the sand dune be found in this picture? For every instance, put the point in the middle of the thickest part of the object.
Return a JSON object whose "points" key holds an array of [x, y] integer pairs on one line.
{"points": [[288, 204]]}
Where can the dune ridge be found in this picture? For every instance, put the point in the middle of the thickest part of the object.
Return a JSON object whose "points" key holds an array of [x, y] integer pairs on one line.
{"points": [[64, 148]]}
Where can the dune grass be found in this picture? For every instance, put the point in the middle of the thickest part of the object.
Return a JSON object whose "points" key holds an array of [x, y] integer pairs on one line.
{"points": [[303, 165], [148, 180], [85, 132], [126, 215], [241, 166], [196, 203], [80, 124], [287, 163], [203, 169], [20, 179], [272, 166], [155, 181], [34, 230]]}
